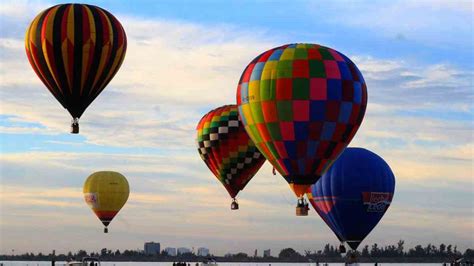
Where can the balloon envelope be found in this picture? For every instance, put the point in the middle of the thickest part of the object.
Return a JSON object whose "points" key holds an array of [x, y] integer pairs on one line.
{"points": [[226, 148], [75, 49], [106, 193], [354, 194], [301, 104]]}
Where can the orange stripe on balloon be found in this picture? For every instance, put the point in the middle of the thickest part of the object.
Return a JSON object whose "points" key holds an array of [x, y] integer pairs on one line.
{"points": [[299, 189], [106, 50], [121, 48]]}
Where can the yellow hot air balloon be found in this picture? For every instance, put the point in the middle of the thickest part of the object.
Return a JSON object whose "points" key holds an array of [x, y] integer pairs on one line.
{"points": [[106, 192]]}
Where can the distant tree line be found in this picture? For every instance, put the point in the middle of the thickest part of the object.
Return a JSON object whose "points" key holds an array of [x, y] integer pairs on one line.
{"points": [[398, 253], [374, 253]]}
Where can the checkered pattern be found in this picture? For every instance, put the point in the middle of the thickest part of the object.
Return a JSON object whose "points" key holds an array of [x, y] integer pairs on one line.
{"points": [[226, 148], [301, 104]]}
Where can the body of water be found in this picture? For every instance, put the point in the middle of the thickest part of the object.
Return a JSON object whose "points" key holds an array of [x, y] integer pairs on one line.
{"points": [[131, 263]]}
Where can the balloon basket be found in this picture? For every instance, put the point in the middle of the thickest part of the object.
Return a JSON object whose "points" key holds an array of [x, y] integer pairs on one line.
{"points": [[75, 126], [234, 205], [302, 207], [106, 230], [301, 211]]}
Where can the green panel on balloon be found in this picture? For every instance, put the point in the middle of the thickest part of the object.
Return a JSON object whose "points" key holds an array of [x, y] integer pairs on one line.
{"points": [[316, 69], [257, 112], [273, 83], [272, 149], [326, 54], [285, 111], [300, 89], [274, 130], [266, 92], [254, 134], [301, 53], [284, 73], [285, 65]]}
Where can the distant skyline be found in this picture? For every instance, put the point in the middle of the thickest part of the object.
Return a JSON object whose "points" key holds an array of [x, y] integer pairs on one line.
{"points": [[184, 58], [436, 251]]}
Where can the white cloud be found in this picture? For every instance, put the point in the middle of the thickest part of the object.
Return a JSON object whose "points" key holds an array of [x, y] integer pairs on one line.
{"points": [[172, 72], [177, 201], [408, 86], [22, 9], [444, 76]]}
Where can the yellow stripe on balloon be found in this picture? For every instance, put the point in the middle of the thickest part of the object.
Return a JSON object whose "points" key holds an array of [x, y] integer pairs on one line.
{"points": [[47, 38], [117, 62]]}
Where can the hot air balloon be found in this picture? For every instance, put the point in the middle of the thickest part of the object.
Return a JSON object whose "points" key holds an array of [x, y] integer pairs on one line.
{"points": [[75, 49], [301, 104], [227, 150], [354, 194], [106, 192]]}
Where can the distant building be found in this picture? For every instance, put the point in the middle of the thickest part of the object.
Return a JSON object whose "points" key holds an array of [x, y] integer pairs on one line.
{"points": [[203, 252], [170, 251], [152, 248], [266, 253], [183, 250], [255, 254]]}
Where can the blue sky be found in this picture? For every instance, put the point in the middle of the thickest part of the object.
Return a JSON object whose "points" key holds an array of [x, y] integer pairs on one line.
{"points": [[184, 58]]}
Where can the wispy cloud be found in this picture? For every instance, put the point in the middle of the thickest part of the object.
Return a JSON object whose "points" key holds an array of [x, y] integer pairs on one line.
{"points": [[172, 71], [422, 22]]}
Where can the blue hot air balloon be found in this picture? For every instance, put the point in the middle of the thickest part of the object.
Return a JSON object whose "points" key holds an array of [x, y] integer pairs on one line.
{"points": [[354, 194]]}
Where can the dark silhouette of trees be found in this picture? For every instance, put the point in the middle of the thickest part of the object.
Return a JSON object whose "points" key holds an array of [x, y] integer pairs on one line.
{"points": [[289, 254], [241, 255], [469, 253], [329, 253], [365, 251], [400, 247]]}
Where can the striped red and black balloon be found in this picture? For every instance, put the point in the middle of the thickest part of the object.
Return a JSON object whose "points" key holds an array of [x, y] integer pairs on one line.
{"points": [[75, 49], [226, 148]]}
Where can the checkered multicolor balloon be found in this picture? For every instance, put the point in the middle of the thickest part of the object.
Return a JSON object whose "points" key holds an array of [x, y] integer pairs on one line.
{"points": [[301, 104], [226, 148]]}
